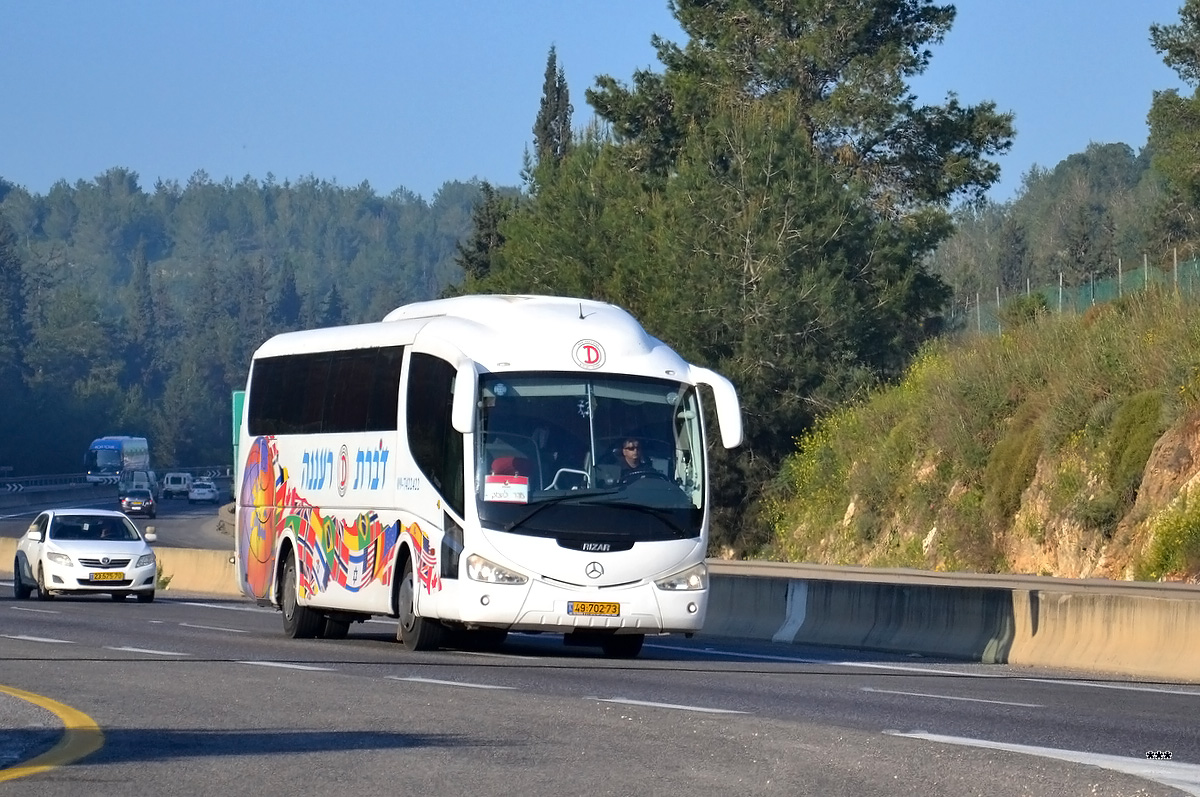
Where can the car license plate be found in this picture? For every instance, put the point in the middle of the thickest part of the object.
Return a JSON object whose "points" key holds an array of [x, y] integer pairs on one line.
{"points": [[107, 576], [594, 608]]}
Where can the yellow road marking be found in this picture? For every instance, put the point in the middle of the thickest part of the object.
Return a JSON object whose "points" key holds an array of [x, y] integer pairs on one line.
{"points": [[82, 736]]}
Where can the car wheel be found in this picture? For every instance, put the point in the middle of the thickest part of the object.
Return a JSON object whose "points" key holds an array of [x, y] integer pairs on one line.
{"points": [[43, 593], [299, 622], [119, 596], [417, 633], [146, 597], [21, 590]]}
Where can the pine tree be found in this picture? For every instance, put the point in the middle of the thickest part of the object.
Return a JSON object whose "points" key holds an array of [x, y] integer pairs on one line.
{"points": [[552, 128]]}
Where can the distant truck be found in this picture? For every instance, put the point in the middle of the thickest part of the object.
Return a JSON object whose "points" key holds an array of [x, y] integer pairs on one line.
{"points": [[108, 457]]}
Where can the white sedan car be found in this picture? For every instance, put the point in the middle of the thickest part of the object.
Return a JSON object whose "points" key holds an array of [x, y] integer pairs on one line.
{"points": [[84, 551], [203, 490]]}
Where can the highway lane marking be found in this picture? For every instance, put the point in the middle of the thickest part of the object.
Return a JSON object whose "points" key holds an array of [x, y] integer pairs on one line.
{"points": [[214, 628], [256, 609], [81, 737], [830, 662], [448, 683], [1176, 774], [287, 665], [149, 651], [35, 611], [951, 697], [25, 638], [677, 706], [1126, 687]]}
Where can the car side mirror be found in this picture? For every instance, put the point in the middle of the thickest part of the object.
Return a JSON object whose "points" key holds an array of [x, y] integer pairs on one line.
{"points": [[150, 536], [33, 534]]}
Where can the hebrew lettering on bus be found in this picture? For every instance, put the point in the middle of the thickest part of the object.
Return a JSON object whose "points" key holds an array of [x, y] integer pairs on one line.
{"points": [[317, 468], [370, 468]]}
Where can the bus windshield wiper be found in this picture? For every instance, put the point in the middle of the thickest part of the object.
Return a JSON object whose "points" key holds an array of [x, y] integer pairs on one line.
{"points": [[573, 496], [662, 514]]}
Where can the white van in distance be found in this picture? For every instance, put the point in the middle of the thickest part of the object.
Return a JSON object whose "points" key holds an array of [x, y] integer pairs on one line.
{"points": [[176, 485]]}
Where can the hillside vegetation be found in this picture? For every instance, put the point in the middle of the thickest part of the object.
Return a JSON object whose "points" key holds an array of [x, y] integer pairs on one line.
{"points": [[1066, 446]]}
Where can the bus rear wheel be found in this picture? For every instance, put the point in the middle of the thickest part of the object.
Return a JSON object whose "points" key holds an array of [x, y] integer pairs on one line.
{"points": [[299, 622], [416, 633]]}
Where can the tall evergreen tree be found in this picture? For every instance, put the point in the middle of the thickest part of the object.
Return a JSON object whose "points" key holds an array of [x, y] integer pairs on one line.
{"points": [[552, 127], [475, 254], [1175, 130]]}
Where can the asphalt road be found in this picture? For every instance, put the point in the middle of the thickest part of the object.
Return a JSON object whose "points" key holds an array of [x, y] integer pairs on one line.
{"points": [[178, 524], [196, 695]]}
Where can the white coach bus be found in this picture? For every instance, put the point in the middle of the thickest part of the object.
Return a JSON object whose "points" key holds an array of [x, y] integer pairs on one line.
{"points": [[475, 466]]}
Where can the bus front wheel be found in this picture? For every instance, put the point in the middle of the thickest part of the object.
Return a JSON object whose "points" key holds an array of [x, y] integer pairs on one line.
{"points": [[416, 633], [299, 622]]}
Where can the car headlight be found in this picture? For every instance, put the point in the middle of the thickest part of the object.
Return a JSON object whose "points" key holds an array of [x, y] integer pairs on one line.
{"points": [[480, 569], [695, 577], [145, 559], [59, 558]]}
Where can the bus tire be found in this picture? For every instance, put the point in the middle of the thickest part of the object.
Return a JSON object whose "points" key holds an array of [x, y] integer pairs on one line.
{"points": [[299, 622], [416, 633], [335, 629], [625, 646]]}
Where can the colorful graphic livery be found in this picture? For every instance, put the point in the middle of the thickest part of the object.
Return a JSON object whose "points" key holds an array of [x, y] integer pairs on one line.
{"points": [[482, 464]]}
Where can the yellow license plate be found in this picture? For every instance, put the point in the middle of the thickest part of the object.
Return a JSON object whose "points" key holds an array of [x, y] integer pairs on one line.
{"points": [[594, 608], [107, 576]]}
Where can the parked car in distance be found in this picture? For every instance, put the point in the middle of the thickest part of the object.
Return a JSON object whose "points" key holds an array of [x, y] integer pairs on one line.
{"points": [[84, 551], [204, 490], [176, 484], [139, 501]]}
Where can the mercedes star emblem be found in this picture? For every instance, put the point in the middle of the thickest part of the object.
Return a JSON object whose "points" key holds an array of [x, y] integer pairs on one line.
{"points": [[594, 570]]}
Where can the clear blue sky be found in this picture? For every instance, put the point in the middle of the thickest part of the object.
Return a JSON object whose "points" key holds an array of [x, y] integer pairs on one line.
{"points": [[411, 93]]}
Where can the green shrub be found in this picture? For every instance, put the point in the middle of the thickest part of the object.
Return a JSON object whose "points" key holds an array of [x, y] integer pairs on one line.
{"points": [[1135, 429], [162, 581], [1174, 549]]}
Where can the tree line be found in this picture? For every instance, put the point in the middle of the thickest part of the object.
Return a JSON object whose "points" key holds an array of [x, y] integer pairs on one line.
{"points": [[124, 311]]}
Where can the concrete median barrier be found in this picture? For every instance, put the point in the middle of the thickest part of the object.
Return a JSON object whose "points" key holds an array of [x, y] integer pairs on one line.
{"points": [[1090, 629], [195, 570]]}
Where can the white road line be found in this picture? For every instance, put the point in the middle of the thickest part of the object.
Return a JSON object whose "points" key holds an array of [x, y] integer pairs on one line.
{"points": [[448, 683], [1126, 687], [35, 611], [147, 650], [258, 609], [287, 666], [1176, 774], [628, 702], [805, 660], [951, 697], [213, 628], [38, 639]]}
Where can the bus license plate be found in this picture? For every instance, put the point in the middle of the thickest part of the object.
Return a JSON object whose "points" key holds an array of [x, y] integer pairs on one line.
{"points": [[594, 608], [107, 576]]}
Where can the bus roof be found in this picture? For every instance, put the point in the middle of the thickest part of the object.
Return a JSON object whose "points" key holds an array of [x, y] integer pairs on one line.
{"points": [[505, 333]]}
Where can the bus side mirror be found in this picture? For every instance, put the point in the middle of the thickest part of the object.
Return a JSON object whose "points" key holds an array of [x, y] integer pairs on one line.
{"points": [[462, 411], [729, 411]]}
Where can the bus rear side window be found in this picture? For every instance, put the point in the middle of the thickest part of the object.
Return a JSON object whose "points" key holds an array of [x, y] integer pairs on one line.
{"points": [[325, 392]]}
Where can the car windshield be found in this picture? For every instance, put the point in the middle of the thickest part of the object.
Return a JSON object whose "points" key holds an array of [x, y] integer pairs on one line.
{"points": [[203, 486], [140, 495], [92, 528], [609, 456]]}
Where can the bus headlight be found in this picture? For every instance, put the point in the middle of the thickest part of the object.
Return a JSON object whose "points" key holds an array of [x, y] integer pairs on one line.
{"points": [[480, 569], [695, 577]]}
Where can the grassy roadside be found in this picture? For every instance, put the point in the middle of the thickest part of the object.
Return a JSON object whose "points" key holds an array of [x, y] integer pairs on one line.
{"points": [[1023, 452]]}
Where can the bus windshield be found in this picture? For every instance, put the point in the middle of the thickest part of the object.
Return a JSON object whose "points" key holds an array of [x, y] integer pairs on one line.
{"points": [[602, 457]]}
